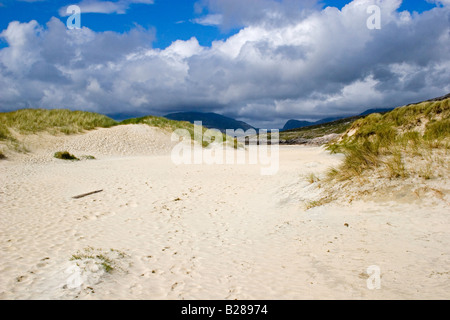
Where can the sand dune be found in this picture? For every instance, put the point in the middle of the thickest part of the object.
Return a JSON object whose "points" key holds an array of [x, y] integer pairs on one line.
{"points": [[129, 140], [203, 231]]}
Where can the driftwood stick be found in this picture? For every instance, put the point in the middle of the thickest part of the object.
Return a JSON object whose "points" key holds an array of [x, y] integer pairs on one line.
{"points": [[87, 194]]}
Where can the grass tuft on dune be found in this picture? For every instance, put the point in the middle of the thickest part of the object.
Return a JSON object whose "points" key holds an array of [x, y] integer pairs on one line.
{"points": [[319, 130], [64, 155], [392, 141], [56, 121], [29, 121]]}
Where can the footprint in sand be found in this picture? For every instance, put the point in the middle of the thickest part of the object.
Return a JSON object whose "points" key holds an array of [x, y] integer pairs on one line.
{"points": [[99, 215], [177, 287], [130, 204]]}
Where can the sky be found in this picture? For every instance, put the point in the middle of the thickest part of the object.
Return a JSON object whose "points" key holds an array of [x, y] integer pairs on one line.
{"points": [[260, 61]]}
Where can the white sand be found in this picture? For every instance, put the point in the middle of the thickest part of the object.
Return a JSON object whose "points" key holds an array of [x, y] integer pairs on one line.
{"points": [[204, 232]]}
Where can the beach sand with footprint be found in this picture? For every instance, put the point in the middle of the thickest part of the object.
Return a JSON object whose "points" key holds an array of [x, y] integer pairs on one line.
{"points": [[206, 231]]}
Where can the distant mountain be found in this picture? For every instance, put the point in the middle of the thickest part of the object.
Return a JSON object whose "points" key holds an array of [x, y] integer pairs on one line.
{"points": [[210, 120], [296, 124], [331, 119], [447, 96], [381, 110]]}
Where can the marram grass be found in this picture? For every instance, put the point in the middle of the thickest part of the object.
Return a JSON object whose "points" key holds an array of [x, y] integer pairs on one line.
{"points": [[64, 155], [386, 140], [62, 121], [29, 121]]}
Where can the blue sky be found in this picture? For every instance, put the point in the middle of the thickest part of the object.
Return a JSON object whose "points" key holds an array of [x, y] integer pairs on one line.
{"points": [[171, 19], [259, 61]]}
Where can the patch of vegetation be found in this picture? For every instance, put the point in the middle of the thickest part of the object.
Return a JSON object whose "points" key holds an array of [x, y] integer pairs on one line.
{"points": [[32, 121], [318, 130], [2, 156], [312, 178], [108, 260], [387, 140], [426, 172], [318, 203], [436, 130], [87, 158], [61, 121], [64, 155], [4, 132], [396, 166], [29, 121]]}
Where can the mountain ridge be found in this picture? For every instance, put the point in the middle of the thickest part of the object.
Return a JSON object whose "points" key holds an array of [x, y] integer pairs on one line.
{"points": [[296, 124], [210, 120]]}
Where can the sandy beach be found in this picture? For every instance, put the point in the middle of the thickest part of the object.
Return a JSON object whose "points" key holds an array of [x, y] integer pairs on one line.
{"points": [[204, 231]]}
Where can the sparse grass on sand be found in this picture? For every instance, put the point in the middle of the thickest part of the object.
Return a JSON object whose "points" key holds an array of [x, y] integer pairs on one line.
{"points": [[402, 154], [410, 140], [312, 178], [87, 157], [318, 203], [107, 259], [64, 155]]}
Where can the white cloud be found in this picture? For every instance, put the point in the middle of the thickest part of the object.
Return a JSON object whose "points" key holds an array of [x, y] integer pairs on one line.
{"points": [[183, 49], [209, 20], [107, 7], [236, 13], [442, 2]]}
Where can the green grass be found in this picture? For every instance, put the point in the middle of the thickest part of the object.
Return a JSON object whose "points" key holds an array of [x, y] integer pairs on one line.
{"points": [[108, 260], [312, 178], [387, 140], [319, 130], [29, 121], [426, 172], [64, 155], [105, 262], [163, 123], [318, 203], [395, 166], [61, 121], [435, 130], [32, 121], [88, 157], [4, 131]]}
